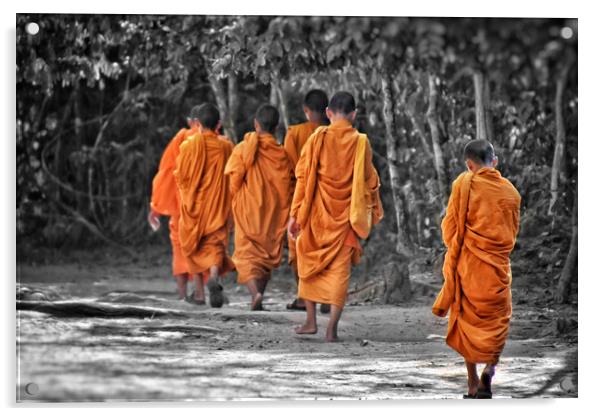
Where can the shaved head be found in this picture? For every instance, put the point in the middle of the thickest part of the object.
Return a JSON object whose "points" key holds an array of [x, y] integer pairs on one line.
{"points": [[316, 101], [207, 114], [268, 118], [342, 102], [480, 152]]}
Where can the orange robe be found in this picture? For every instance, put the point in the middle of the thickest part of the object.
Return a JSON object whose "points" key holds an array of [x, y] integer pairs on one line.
{"points": [[295, 139], [479, 231], [327, 244], [205, 202], [165, 199], [261, 185]]}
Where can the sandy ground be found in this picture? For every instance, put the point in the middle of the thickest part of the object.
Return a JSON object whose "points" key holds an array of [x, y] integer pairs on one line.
{"points": [[386, 351]]}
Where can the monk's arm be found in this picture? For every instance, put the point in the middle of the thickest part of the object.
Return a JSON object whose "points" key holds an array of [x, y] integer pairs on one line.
{"points": [[164, 176], [289, 146], [370, 173], [235, 170], [300, 170], [373, 186], [449, 224], [184, 161], [517, 219]]}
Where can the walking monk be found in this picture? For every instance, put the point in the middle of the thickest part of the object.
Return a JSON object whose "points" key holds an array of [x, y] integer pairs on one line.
{"points": [[165, 200], [314, 107], [336, 201], [261, 185], [479, 231], [205, 205]]}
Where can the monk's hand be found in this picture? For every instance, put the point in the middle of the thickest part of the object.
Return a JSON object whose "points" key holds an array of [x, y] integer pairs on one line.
{"points": [[293, 228], [153, 220]]}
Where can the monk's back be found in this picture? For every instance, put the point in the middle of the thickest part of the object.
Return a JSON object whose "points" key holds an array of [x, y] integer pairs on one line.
{"points": [[205, 198], [266, 190], [296, 138], [493, 211], [335, 169], [272, 161], [208, 165]]}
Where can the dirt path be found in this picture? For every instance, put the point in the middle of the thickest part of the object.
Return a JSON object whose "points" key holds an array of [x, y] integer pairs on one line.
{"points": [[231, 353]]}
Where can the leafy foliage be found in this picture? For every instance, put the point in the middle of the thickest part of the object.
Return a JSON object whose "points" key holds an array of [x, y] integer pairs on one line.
{"points": [[99, 96]]}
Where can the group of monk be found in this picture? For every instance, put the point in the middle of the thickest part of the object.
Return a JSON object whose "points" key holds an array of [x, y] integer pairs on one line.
{"points": [[320, 186], [321, 189]]}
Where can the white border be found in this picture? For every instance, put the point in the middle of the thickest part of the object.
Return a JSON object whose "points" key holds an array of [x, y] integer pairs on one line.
{"points": [[589, 206]]}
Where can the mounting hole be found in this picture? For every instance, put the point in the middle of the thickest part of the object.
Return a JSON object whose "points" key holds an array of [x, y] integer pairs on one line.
{"points": [[32, 389], [32, 28]]}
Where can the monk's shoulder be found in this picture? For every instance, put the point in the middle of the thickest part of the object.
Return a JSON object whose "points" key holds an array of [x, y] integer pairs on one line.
{"points": [[301, 127], [359, 135], [178, 138], [239, 148], [511, 189], [293, 132], [458, 180], [180, 134], [226, 140], [311, 139]]}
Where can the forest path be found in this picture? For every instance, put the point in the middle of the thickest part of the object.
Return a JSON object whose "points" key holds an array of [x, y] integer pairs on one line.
{"points": [[385, 351]]}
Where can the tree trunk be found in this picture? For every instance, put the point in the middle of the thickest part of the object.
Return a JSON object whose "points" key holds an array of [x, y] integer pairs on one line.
{"points": [[221, 99], [392, 163], [569, 271], [273, 95], [77, 121], [410, 110], [487, 108], [431, 116], [58, 149], [480, 118], [281, 102], [233, 101], [558, 173]]}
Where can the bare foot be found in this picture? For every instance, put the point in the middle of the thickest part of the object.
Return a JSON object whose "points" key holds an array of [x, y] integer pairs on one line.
{"points": [[306, 329], [331, 337], [195, 301], [256, 303], [484, 389]]}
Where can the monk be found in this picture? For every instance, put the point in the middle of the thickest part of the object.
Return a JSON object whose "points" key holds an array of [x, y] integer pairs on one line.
{"points": [[261, 184], [479, 231], [314, 107], [336, 201], [205, 205], [165, 200]]}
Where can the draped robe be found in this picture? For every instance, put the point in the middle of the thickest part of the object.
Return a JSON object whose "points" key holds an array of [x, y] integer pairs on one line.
{"points": [[260, 176], [205, 202], [165, 198], [327, 245], [479, 231]]}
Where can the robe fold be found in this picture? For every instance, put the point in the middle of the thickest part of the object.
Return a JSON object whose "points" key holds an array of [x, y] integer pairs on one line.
{"points": [[204, 202], [327, 245], [165, 198], [295, 139], [479, 230], [260, 176]]}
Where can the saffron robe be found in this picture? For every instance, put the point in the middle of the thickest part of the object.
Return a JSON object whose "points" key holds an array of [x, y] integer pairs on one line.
{"points": [[165, 198], [326, 244], [295, 139], [205, 202], [261, 185], [479, 231]]}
